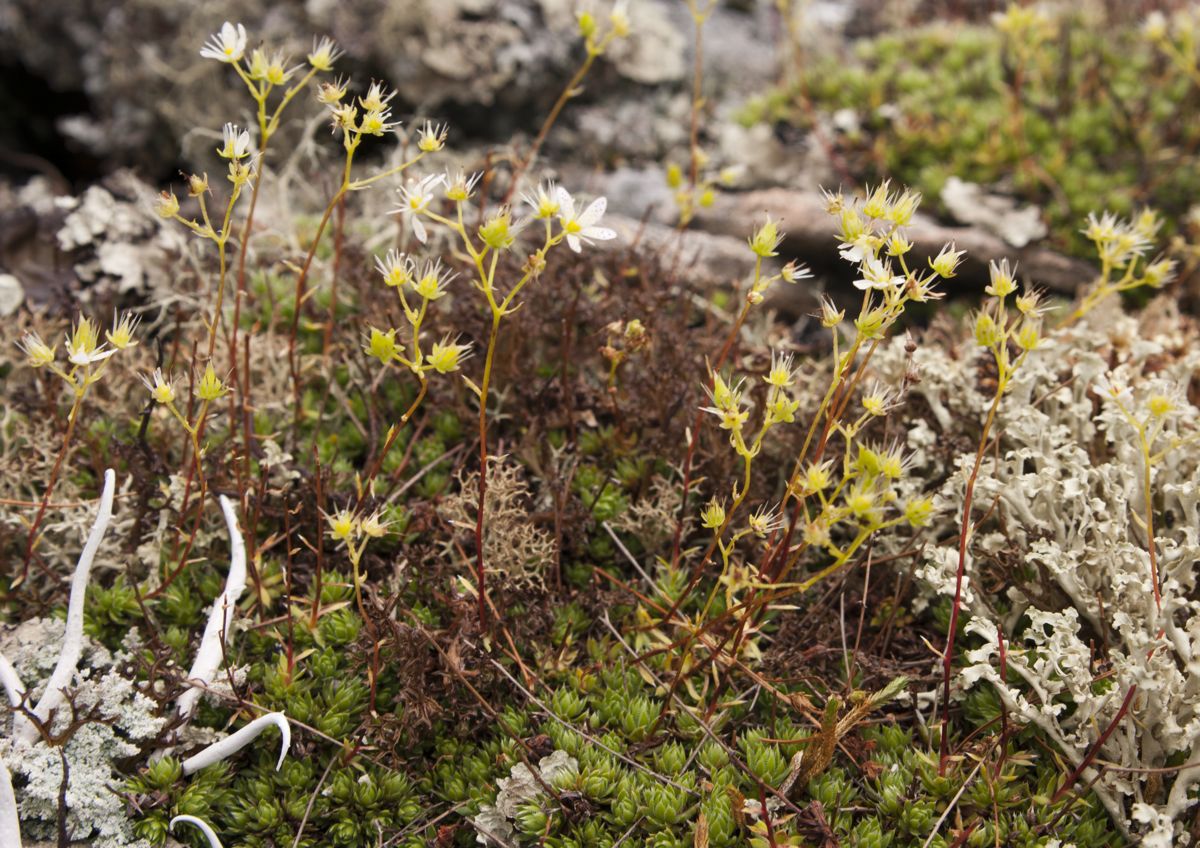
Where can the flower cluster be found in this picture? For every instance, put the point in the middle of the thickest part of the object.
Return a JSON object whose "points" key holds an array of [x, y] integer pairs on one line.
{"points": [[596, 35], [998, 331], [1175, 36], [548, 203], [86, 354], [423, 283], [1122, 246]]}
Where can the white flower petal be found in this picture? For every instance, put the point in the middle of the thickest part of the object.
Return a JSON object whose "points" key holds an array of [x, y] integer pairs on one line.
{"points": [[573, 243], [593, 213], [599, 233], [419, 229], [566, 204]]}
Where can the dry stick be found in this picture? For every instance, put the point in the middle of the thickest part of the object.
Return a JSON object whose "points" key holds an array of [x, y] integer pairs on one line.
{"points": [[301, 280], [839, 397], [54, 473], [567, 93], [963, 539], [316, 605], [703, 725], [339, 232], [240, 377], [587, 736], [1096, 746], [953, 801], [480, 572], [393, 434], [698, 18]]}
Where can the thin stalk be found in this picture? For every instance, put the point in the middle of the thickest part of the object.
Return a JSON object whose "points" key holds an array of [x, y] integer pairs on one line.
{"points": [[54, 474], [485, 382], [963, 540]]}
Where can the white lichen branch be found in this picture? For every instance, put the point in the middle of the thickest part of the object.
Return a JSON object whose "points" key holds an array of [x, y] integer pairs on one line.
{"points": [[216, 631], [10, 821], [11, 681], [233, 743], [64, 671], [200, 825]]}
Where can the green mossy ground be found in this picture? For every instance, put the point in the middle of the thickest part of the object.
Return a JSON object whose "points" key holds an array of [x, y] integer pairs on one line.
{"points": [[1084, 117]]}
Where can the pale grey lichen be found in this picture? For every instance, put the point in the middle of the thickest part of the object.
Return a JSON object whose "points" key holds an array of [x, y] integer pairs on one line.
{"points": [[493, 823], [125, 722], [1067, 486]]}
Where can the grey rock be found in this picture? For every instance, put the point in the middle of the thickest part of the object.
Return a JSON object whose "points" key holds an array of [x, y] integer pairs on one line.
{"points": [[999, 214], [149, 90], [12, 295]]}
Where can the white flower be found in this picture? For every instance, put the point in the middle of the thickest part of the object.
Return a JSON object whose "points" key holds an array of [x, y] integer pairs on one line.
{"points": [[38, 352], [397, 268], [876, 275], [581, 228], [84, 346], [544, 201], [416, 199], [431, 281], [235, 145], [161, 389], [461, 187], [228, 45], [858, 249], [1155, 27], [1106, 388]]}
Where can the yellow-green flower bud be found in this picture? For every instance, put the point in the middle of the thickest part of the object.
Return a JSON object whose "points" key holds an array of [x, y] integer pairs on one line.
{"points": [[831, 316], [870, 324], [901, 211], [446, 356], [877, 205], [432, 137], [343, 526], [898, 245], [382, 345], [1029, 336], [918, 511], [496, 232], [987, 333], [619, 19], [587, 24], [37, 352], [372, 526], [868, 461], [210, 386], [1002, 282], [1159, 272], [712, 517], [945, 264], [860, 502], [781, 374], [167, 205], [817, 477], [766, 239], [197, 185], [324, 54]]}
